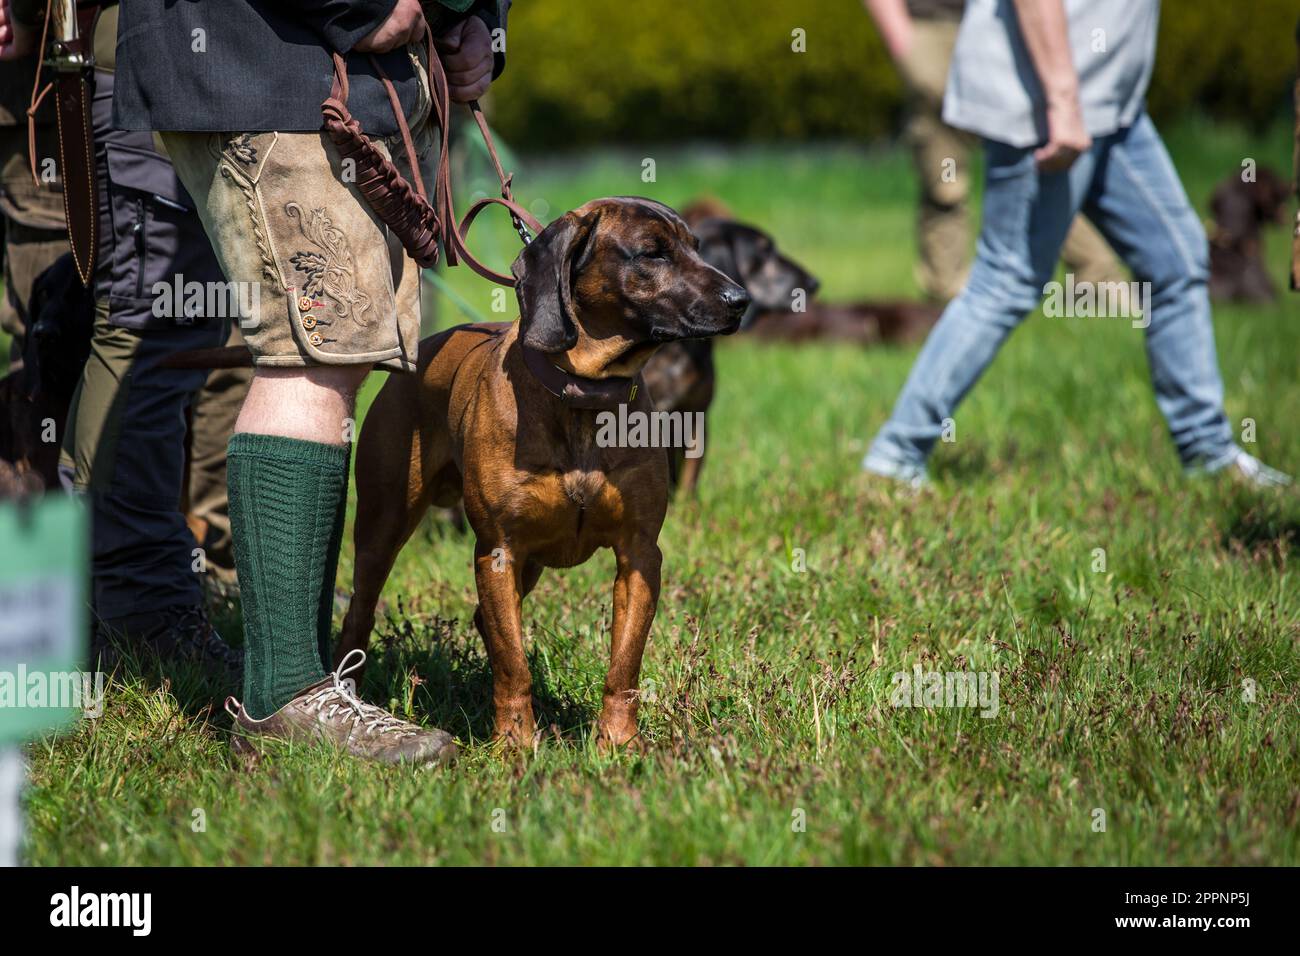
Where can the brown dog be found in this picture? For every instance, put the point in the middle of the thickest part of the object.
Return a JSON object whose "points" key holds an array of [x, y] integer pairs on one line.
{"points": [[505, 417]]}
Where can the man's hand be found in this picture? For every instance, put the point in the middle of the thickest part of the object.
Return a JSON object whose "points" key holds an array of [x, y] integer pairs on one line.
{"points": [[16, 41], [895, 26], [1046, 30], [1067, 137], [404, 25], [466, 52]]}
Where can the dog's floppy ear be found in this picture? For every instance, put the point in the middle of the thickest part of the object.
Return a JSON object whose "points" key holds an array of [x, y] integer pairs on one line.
{"points": [[714, 237], [544, 284]]}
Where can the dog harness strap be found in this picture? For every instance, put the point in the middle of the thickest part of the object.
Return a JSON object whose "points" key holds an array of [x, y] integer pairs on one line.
{"points": [[574, 390], [418, 223]]}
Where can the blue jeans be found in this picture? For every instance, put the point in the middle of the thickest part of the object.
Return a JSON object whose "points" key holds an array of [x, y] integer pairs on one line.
{"points": [[1128, 188]]}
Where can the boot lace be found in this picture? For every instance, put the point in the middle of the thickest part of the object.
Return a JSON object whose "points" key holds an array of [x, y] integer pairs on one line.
{"points": [[338, 701]]}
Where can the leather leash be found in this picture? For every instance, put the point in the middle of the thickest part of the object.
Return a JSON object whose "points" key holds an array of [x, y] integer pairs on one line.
{"points": [[420, 224]]}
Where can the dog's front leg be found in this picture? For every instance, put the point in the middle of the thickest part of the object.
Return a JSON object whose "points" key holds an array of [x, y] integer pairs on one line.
{"points": [[499, 619], [636, 595]]}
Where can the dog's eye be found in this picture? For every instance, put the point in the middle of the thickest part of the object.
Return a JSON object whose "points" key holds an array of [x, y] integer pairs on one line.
{"points": [[653, 254]]}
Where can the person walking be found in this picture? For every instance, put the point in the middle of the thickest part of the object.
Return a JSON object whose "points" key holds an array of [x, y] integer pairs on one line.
{"points": [[1057, 92]]}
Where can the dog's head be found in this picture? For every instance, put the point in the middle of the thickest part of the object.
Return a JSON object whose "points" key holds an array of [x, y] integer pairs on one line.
{"points": [[1240, 208], [610, 281], [750, 256]]}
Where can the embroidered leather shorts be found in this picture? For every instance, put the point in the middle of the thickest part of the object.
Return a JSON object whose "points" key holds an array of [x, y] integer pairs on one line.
{"points": [[332, 285]]}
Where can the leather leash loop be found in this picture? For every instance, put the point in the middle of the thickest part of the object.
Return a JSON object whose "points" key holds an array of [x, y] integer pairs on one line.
{"points": [[420, 223]]}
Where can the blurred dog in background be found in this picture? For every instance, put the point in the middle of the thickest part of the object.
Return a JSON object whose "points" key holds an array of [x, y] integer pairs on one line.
{"points": [[681, 375], [1241, 210], [857, 323]]}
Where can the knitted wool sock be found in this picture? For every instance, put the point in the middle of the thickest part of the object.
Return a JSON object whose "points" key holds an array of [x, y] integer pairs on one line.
{"points": [[325, 619], [285, 500]]}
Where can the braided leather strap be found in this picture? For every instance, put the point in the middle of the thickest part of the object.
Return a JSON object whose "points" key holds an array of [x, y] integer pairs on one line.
{"points": [[420, 225]]}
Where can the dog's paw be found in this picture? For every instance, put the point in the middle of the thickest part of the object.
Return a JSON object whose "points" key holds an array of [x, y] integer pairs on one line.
{"points": [[620, 739], [516, 730]]}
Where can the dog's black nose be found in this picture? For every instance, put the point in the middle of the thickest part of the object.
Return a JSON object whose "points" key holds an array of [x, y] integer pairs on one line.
{"points": [[736, 299], [812, 285]]}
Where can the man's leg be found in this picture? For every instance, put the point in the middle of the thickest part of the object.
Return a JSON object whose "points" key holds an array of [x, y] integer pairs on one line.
{"points": [[216, 408], [34, 233], [941, 158], [288, 479], [28, 253], [1026, 216], [943, 228], [1088, 257], [126, 441], [1139, 204], [336, 296], [122, 450]]}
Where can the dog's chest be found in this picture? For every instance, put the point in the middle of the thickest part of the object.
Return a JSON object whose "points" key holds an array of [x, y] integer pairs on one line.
{"points": [[570, 507], [582, 476]]}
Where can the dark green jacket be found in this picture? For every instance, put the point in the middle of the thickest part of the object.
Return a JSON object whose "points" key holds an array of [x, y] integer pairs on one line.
{"points": [[254, 65]]}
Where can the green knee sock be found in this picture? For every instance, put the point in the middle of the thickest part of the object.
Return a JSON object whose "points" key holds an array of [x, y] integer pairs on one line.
{"points": [[286, 500], [325, 616]]}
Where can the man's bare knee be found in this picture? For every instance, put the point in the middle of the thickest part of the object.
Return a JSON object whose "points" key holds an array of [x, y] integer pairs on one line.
{"points": [[315, 403]]}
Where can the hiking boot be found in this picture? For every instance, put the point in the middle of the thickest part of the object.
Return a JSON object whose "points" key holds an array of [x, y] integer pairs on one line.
{"points": [[181, 633], [912, 476], [330, 712], [1245, 470], [1250, 471]]}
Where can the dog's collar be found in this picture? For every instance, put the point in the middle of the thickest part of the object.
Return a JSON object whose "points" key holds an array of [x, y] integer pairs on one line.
{"points": [[574, 390]]}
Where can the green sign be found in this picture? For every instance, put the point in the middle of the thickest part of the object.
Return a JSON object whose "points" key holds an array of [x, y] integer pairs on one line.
{"points": [[44, 568]]}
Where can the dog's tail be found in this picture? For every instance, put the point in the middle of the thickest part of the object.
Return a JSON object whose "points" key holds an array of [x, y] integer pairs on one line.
{"points": [[230, 356]]}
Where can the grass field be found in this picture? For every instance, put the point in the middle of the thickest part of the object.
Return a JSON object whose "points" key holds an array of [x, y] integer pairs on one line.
{"points": [[767, 691]]}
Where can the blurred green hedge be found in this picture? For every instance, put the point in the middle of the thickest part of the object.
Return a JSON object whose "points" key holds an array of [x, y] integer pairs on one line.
{"points": [[607, 71]]}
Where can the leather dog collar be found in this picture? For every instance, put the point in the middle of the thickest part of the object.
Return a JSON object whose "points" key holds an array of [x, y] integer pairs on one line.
{"points": [[574, 390]]}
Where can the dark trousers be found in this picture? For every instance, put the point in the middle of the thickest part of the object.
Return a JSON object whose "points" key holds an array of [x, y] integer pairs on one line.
{"points": [[124, 448], [124, 444]]}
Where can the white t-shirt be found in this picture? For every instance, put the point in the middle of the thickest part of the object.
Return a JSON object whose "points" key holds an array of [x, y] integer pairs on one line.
{"points": [[993, 89]]}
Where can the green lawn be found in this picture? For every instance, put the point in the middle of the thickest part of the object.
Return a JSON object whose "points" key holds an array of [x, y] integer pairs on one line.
{"points": [[767, 707]]}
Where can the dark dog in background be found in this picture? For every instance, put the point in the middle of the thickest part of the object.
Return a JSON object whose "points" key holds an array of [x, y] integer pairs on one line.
{"points": [[36, 395], [681, 376], [1241, 210], [854, 323]]}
